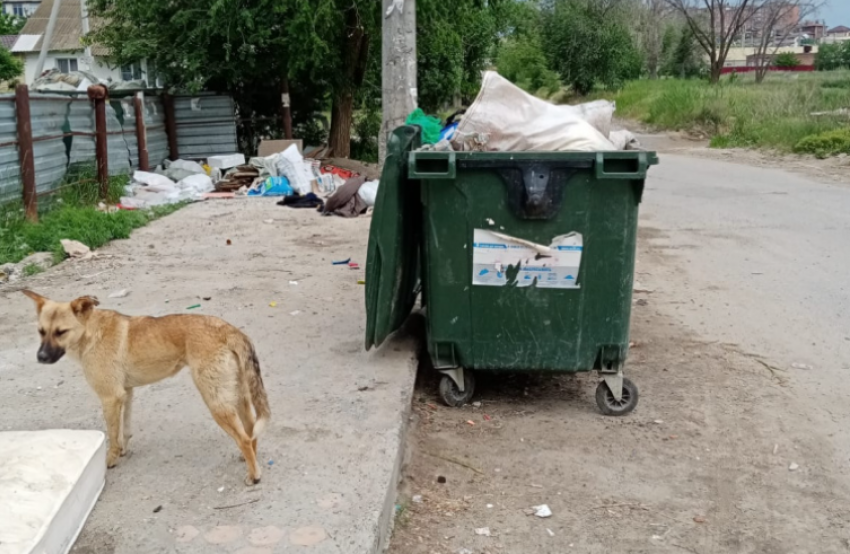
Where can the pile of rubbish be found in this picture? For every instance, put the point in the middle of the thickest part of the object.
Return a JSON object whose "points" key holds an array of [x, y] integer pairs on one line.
{"points": [[79, 81], [302, 182], [504, 117]]}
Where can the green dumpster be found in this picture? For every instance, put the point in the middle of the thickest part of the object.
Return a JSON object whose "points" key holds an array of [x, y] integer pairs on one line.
{"points": [[525, 261]]}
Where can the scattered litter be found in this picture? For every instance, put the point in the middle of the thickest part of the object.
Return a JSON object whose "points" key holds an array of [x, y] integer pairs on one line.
{"points": [[542, 511], [462, 550], [193, 306], [207, 298], [549, 531], [227, 161], [775, 449], [268, 221], [490, 221], [76, 249], [441, 479], [342, 262], [273, 304], [483, 531], [417, 499], [536, 486], [638, 288], [657, 537], [487, 418], [470, 422], [353, 266], [296, 312], [658, 421], [699, 519], [793, 467], [229, 242], [476, 404], [361, 282], [221, 489], [801, 366], [489, 506], [157, 509], [123, 293], [293, 283], [271, 462]]}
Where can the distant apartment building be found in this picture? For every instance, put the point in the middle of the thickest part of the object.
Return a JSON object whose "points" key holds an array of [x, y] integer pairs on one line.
{"points": [[813, 29], [839, 33], [21, 9]]}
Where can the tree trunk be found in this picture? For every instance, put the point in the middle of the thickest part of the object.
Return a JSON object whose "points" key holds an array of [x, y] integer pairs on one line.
{"points": [[716, 72], [342, 114]]}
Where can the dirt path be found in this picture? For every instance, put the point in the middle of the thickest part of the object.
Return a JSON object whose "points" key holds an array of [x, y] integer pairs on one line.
{"points": [[725, 452]]}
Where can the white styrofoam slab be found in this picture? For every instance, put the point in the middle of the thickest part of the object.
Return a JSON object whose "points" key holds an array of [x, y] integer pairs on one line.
{"points": [[49, 483], [226, 161]]}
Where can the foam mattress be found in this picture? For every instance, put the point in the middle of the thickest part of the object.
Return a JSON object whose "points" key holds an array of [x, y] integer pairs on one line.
{"points": [[49, 483]]}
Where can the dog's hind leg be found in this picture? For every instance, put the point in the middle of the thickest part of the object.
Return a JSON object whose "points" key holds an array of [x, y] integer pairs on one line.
{"points": [[113, 405], [221, 393], [126, 429], [246, 414]]}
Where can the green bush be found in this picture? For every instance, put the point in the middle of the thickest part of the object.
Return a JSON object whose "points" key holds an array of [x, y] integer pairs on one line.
{"points": [[786, 59], [521, 61], [826, 144]]}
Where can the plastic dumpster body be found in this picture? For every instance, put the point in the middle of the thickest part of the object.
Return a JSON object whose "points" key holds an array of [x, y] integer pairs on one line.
{"points": [[527, 261]]}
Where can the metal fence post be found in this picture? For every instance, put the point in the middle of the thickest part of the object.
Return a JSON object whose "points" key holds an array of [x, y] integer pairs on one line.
{"points": [[141, 131], [97, 93], [25, 151], [171, 126]]}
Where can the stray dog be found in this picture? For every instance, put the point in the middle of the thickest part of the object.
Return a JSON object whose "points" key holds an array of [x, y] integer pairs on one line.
{"points": [[119, 352]]}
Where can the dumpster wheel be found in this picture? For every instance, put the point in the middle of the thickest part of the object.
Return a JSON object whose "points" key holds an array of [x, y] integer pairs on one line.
{"points": [[451, 393], [609, 405]]}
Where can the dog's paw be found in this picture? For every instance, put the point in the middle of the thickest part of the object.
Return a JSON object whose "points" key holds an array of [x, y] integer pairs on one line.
{"points": [[112, 458], [251, 481]]}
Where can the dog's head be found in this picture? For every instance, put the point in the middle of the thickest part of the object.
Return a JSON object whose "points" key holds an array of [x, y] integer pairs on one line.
{"points": [[60, 324]]}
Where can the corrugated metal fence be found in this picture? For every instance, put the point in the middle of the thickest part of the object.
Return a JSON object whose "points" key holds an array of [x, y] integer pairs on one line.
{"points": [[64, 130]]}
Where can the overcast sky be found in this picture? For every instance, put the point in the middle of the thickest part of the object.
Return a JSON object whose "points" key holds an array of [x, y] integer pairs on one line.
{"points": [[836, 13]]}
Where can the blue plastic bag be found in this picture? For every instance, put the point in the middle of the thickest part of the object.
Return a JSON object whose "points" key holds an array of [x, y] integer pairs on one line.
{"points": [[273, 186]]}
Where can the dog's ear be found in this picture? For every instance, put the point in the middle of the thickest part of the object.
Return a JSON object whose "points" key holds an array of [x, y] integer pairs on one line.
{"points": [[83, 305], [37, 298]]}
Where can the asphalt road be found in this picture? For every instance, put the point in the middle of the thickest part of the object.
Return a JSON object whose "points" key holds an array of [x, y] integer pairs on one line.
{"points": [[763, 265]]}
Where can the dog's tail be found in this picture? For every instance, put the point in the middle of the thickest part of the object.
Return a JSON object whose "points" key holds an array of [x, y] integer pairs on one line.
{"points": [[251, 372]]}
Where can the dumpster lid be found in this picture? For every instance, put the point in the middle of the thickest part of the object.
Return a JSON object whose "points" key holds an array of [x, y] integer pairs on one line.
{"points": [[392, 267]]}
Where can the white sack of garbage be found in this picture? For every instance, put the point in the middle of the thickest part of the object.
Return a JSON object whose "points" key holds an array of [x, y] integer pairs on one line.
{"points": [[152, 189], [506, 118]]}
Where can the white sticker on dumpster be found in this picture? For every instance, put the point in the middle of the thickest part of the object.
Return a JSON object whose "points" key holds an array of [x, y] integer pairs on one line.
{"points": [[499, 260]]}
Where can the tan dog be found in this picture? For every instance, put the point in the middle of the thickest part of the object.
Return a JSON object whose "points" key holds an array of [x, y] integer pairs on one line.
{"points": [[120, 352]]}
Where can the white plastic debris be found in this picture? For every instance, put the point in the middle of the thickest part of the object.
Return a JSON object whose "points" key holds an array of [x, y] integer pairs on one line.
{"points": [[417, 499], [368, 192], [550, 533], [793, 467], [123, 293], [226, 161], [76, 249], [483, 531], [542, 511]]}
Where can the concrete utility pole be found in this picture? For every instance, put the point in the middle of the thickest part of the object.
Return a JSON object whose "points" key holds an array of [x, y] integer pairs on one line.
{"points": [[46, 38], [398, 76]]}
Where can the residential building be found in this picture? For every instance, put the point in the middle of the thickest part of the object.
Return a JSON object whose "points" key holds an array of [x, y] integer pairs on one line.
{"points": [[21, 8], [746, 56], [839, 33], [65, 51], [813, 29]]}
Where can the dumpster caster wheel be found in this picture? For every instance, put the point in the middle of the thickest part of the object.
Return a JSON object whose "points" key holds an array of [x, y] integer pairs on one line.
{"points": [[452, 395], [609, 405]]}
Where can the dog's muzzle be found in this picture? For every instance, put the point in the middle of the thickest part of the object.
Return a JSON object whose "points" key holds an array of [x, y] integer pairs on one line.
{"points": [[48, 354]]}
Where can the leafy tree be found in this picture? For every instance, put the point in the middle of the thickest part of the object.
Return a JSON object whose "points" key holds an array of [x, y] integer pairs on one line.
{"points": [[11, 24], [588, 43], [10, 66], [833, 56], [522, 61], [686, 60], [786, 59]]}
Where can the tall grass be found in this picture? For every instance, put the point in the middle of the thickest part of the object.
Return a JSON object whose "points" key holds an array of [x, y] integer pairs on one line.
{"points": [[71, 213], [776, 114]]}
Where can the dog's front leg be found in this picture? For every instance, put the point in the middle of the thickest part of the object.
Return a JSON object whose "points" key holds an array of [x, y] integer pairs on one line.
{"points": [[126, 430], [112, 412]]}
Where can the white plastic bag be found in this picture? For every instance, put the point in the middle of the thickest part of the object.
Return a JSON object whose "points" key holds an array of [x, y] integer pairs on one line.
{"points": [[290, 164], [154, 181], [187, 165], [513, 120], [200, 183], [368, 192]]}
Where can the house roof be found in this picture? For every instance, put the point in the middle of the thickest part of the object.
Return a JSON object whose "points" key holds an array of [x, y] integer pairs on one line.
{"points": [[67, 33], [839, 29], [8, 41]]}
